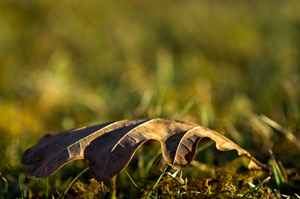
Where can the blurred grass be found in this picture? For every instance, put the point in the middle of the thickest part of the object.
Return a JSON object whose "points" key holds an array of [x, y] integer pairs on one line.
{"points": [[69, 63]]}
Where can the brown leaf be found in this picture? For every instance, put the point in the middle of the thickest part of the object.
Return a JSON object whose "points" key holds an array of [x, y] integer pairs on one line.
{"points": [[110, 147]]}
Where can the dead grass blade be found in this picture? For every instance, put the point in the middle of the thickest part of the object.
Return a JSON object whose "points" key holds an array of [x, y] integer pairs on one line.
{"points": [[288, 134]]}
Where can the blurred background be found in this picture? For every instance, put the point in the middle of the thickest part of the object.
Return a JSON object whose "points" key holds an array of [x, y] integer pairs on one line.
{"points": [[222, 65]]}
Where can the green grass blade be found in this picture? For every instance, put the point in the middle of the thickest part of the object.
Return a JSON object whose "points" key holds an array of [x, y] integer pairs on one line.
{"points": [[158, 180], [72, 182], [277, 173], [276, 169], [256, 187], [185, 109], [132, 181]]}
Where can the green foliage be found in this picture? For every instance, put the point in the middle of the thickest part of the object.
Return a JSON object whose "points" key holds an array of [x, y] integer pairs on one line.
{"points": [[222, 65]]}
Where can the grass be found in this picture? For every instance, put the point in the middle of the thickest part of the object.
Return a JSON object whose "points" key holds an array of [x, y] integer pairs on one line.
{"points": [[232, 67], [74, 180], [256, 187]]}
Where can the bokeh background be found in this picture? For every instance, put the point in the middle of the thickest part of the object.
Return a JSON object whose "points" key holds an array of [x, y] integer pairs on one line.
{"points": [[66, 64]]}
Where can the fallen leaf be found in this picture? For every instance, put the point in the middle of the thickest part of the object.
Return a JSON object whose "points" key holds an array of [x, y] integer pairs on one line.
{"points": [[109, 147]]}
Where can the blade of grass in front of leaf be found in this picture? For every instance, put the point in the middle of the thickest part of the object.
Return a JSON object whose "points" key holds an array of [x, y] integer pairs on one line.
{"points": [[132, 181], [72, 182], [158, 180], [256, 187]]}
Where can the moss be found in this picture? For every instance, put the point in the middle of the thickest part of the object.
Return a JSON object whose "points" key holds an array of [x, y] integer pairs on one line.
{"points": [[86, 191], [225, 185]]}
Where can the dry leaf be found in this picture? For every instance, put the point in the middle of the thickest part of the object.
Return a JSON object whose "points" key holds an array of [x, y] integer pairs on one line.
{"points": [[110, 147]]}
